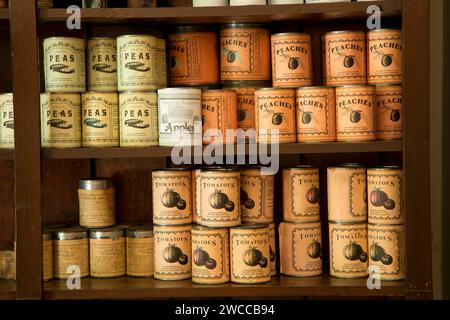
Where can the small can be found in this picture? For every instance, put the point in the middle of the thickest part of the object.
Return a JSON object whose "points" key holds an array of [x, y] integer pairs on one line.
{"points": [[384, 187], [275, 115], [210, 255], [387, 250], [97, 203], [345, 58], [316, 114], [291, 60], [220, 197], [100, 118], [301, 194], [6, 121], [272, 250], [245, 53], [138, 119], [61, 120], [300, 249], [384, 56], [171, 190], [355, 114], [193, 56], [64, 65], [47, 255], [102, 64], [250, 253], [140, 251], [172, 252], [348, 250], [246, 112], [257, 195], [389, 111]]}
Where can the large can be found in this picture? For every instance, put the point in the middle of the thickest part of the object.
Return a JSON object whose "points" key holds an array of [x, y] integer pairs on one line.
{"points": [[246, 112], [102, 64], [64, 64], [6, 121], [272, 249], [250, 254], [210, 255], [389, 111], [300, 249], [140, 251]]}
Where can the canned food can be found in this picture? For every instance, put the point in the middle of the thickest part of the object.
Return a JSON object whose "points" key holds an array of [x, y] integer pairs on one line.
{"points": [[6, 121], [246, 112], [196, 196], [272, 250], [140, 251], [389, 112], [47, 255], [102, 64]]}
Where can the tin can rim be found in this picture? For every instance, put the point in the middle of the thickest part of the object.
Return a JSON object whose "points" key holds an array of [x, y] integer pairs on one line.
{"points": [[349, 165], [347, 223], [309, 222], [70, 233], [291, 33], [385, 225], [142, 231], [390, 85], [255, 84], [385, 29], [259, 169], [224, 90], [345, 31], [102, 93], [102, 38], [149, 92], [114, 233], [315, 87], [250, 226], [302, 166], [185, 90], [243, 25], [356, 86], [171, 225], [63, 37], [145, 35], [47, 235], [221, 169], [199, 227], [385, 168], [275, 89], [192, 28], [172, 170], [96, 183]]}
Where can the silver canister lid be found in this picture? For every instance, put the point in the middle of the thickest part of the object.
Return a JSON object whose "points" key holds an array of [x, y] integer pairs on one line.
{"points": [[72, 233], [96, 184], [144, 231], [113, 233]]}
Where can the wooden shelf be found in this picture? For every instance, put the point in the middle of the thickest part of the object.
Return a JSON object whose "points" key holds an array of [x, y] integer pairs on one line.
{"points": [[281, 286], [267, 13], [6, 154], [7, 289], [4, 14]]}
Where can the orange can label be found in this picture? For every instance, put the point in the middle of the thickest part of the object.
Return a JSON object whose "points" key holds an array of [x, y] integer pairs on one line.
{"points": [[389, 111], [246, 108]]}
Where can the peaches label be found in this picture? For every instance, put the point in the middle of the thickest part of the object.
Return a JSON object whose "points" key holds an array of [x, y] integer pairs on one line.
{"points": [[257, 194], [246, 108], [389, 112]]}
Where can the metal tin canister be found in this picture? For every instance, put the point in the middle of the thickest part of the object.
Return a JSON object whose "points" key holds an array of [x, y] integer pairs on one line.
{"points": [[97, 203], [316, 114], [275, 115], [244, 53], [301, 195], [6, 121], [220, 197], [272, 249], [196, 196], [107, 251], [348, 250], [345, 57], [389, 112], [387, 251], [172, 252], [385, 189], [140, 251], [64, 64], [384, 56], [210, 255], [300, 249], [102, 64], [355, 114], [171, 190], [100, 119], [193, 56], [138, 119], [61, 120], [70, 249], [347, 193], [291, 60], [246, 111], [250, 253], [47, 255], [257, 195]]}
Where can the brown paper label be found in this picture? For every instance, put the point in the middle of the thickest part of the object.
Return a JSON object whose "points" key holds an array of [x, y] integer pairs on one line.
{"points": [[140, 255], [258, 193], [97, 208], [47, 259], [70, 253], [108, 257]]}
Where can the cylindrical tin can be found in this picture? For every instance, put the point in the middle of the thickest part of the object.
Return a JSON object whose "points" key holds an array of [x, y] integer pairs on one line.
{"points": [[180, 115], [97, 203], [250, 253], [209, 3], [171, 190], [257, 195], [47, 255], [246, 112], [138, 119], [100, 118], [272, 249], [348, 250], [61, 120], [220, 197], [345, 57], [247, 2], [275, 115], [102, 64], [245, 53], [347, 193], [300, 249], [64, 64], [196, 196], [140, 251], [193, 56], [301, 194], [210, 255], [172, 252], [291, 60], [219, 113], [316, 114], [384, 56], [387, 251], [385, 189], [6, 121], [355, 114], [389, 111]]}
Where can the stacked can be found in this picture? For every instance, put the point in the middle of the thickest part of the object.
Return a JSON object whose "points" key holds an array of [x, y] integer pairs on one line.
{"points": [[6, 121]]}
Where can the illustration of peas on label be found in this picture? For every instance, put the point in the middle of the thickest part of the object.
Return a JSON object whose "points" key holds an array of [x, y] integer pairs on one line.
{"points": [[254, 257], [173, 254], [202, 258]]}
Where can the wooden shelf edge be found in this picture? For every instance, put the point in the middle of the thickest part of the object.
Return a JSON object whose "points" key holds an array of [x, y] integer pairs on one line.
{"points": [[6, 154]]}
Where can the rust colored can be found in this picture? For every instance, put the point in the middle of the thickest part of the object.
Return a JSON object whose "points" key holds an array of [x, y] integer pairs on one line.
{"points": [[384, 187], [301, 194], [345, 58], [272, 250], [193, 56], [291, 60], [316, 114], [347, 193], [275, 115], [300, 249], [246, 111], [384, 56], [389, 112], [355, 114]]}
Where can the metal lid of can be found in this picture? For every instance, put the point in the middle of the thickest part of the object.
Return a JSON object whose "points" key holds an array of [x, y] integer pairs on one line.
{"points": [[102, 38], [315, 87], [389, 85], [199, 227], [291, 33], [192, 28], [172, 170], [355, 86], [219, 169], [385, 168], [96, 184], [243, 25], [62, 37], [349, 165], [180, 90], [230, 84], [143, 231], [309, 222], [47, 235], [385, 29], [71, 233], [251, 226], [347, 223], [303, 166], [113, 233], [345, 31]]}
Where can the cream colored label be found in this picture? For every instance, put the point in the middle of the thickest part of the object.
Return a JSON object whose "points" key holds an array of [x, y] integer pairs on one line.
{"points": [[161, 66], [257, 192], [108, 257], [140, 255], [97, 208], [102, 64], [70, 253], [389, 112], [6, 122], [47, 259], [197, 216], [272, 250]]}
